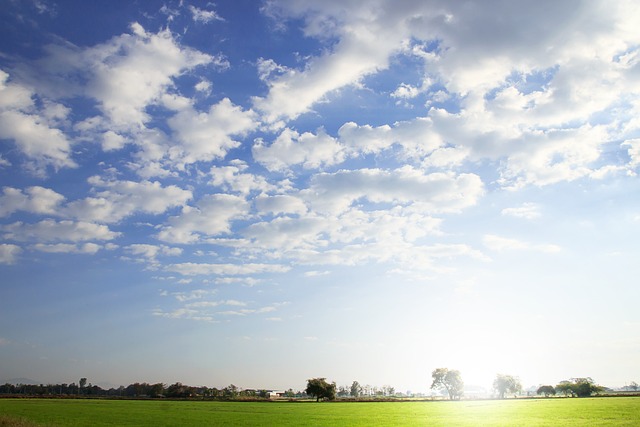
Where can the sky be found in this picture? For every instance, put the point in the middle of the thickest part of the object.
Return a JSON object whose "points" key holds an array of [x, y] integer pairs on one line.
{"points": [[259, 193]]}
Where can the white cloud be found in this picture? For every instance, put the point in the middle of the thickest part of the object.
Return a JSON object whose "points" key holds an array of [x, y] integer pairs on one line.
{"points": [[211, 216], [35, 199], [195, 269], [526, 211], [41, 143], [233, 178], [207, 136], [280, 204], [535, 112], [112, 141], [49, 230], [436, 192], [291, 148], [365, 42], [33, 129], [68, 248], [203, 86], [9, 253], [132, 71], [315, 273], [205, 16], [634, 151], [502, 244], [284, 233], [123, 198], [152, 251]]}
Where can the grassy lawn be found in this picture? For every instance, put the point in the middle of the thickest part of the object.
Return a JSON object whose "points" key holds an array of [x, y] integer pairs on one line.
{"points": [[620, 411]]}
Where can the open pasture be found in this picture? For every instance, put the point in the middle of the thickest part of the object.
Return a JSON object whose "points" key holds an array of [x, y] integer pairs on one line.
{"points": [[622, 411]]}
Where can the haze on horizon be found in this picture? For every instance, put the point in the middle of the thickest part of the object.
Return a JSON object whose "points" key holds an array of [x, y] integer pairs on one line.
{"points": [[259, 193]]}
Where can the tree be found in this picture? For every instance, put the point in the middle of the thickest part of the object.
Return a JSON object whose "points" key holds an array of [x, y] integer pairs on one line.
{"points": [[547, 390], [356, 389], [584, 387], [450, 380], [580, 387], [565, 387], [321, 389], [506, 384]]}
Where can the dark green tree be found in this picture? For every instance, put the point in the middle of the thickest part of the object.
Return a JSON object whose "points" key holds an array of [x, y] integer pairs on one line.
{"points": [[580, 387], [547, 390], [321, 389], [450, 380], [506, 384], [565, 388]]}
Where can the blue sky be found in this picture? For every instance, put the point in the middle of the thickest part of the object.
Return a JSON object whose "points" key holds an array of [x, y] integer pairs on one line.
{"points": [[259, 193]]}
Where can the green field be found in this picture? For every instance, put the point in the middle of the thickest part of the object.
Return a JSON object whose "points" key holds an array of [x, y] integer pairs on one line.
{"points": [[619, 411]]}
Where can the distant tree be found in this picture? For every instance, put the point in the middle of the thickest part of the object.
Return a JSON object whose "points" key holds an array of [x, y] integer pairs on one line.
{"points": [[580, 387], [565, 388], [321, 389], [83, 382], [450, 380], [290, 393], [585, 387], [230, 391], [506, 384], [633, 386], [157, 390], [547, 390]]}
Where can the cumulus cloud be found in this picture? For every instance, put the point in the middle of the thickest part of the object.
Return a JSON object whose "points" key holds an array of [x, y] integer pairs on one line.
{"points": [[206, 136], [364, 44], [530, 110], [49, 230], [197, 269], [68, 248], [133, 70], [120, 199], [152, 251], [280, 204], [291, 148], [234, 178], [210, 216], [29, 127], [35, 199], [436, 192]]}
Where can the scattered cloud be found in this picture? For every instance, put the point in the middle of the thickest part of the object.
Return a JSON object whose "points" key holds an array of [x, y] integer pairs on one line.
{"points": [[204, 16], [503, 244], [49, 230], [526, 211], [194, 269], [9, 253], [38, 200]]}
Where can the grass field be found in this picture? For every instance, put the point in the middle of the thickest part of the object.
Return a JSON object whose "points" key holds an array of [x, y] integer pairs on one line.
{"points": [[620, 411]]}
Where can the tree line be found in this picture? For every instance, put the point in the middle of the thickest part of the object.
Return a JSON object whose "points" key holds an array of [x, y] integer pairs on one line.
{"points": [[449, 381], [140, 390]]}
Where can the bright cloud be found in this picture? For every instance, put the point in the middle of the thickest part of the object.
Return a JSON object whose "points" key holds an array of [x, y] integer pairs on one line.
{"points": [[211, 216], [33, 199], [49, 230], [123, 198]]}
